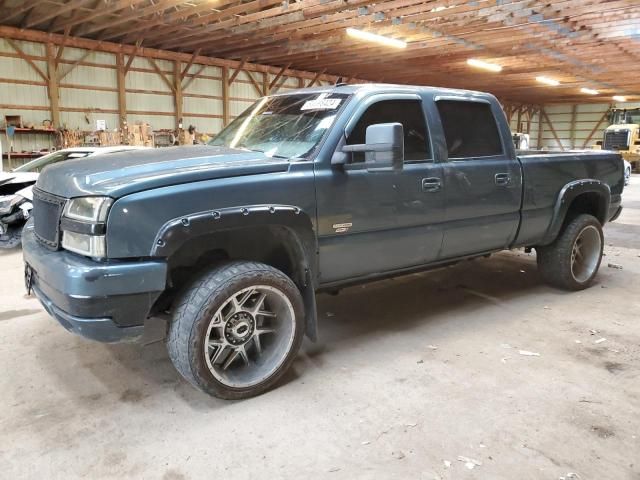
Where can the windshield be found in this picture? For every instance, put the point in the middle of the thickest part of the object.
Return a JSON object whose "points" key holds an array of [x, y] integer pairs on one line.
{"points": [[287, 126], [41, 162], [626, 116]]}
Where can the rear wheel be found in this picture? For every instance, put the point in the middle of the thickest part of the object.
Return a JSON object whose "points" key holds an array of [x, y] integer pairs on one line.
{"points": [[572, 261], [237, 329]]}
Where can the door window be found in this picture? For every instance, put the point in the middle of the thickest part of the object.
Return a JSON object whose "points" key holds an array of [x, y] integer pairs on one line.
{"points": [[409, 114], [470, 129]]}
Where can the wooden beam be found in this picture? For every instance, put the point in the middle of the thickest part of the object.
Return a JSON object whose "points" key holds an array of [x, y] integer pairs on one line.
{"points": [[194, 76], [225, 96], [596, 128], [277, 77], [316, 78], [255, 83], [279, 85], [237, 71], [67, 31], [193, 57], [153, 63], [553, 130], [177, 91], [53, 12], [122, 93], [75, 64], [52, 86], [540, 127], [27, 59], [132, 56], [18, 11], [572, 131]]}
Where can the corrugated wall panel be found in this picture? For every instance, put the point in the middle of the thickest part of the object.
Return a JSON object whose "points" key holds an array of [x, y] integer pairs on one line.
{"points": [[18, 69], [157, 122], [30, 48], [147, 102], [88, 99], [78, 120], [90, 76]]}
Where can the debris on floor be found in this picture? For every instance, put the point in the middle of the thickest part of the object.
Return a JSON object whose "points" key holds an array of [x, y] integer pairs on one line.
{"points": [[366, 442], [600, 340], [447, 463], [470, 463], [569, 476], [432, 347], [527, 353], [398, 454], [617, 266]]}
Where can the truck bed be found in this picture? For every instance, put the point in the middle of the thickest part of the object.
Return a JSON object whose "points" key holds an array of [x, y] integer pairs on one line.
{"points": [[545, 174]]}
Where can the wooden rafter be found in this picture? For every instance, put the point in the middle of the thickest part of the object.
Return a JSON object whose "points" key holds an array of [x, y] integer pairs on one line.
{"points": [[277, 77], [193, 77], [237, 71], [74, 65]]}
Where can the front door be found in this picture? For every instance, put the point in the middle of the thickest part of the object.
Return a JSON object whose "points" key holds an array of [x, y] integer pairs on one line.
{"points": [[372, 222]]}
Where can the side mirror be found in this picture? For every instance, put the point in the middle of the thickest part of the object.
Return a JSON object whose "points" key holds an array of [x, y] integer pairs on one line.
{"points": [[384, 147]]}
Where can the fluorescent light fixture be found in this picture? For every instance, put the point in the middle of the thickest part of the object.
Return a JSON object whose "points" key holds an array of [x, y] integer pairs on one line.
{"points": [[548, 81], [474, 62], [589, 91], [372, 37], [619, 98]]}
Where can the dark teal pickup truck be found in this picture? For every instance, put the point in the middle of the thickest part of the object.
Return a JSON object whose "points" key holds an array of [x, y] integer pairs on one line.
{"points": [[305, 191]]}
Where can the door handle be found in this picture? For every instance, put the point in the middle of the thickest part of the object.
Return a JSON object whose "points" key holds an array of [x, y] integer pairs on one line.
{"points": [[431, 184], [502, 179]]}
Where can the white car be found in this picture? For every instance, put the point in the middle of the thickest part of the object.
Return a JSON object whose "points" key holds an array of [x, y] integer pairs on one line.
{"points": [[627, 172], [16, 188]]}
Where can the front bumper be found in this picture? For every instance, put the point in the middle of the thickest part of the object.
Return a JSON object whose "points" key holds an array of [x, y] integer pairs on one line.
{"points": [[104, 301]]}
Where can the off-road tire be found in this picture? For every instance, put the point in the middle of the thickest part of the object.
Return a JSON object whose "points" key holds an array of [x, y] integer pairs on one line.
{"points": [[194, 308], [554, 260]]}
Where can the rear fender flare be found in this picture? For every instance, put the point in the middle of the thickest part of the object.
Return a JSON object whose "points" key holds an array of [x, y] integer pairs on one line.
{"points": [[567, 195]]}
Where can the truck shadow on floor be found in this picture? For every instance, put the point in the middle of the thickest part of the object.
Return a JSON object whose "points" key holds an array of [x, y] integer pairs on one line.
{"points": [[447, 300]]}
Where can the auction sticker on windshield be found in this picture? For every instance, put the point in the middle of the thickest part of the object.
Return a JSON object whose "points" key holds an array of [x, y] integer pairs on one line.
{"points": [[321, 103]]}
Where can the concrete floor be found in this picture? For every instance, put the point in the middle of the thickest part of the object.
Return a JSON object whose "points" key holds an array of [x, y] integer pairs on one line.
{"points": [[411, 374]]}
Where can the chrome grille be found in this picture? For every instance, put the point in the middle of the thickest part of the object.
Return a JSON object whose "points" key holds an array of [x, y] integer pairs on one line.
{"points": [[47, 210], [616, 140]]}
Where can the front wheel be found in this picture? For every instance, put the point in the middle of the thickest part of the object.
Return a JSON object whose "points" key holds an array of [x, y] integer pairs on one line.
{"points": [[236, 329], [572, 261]]}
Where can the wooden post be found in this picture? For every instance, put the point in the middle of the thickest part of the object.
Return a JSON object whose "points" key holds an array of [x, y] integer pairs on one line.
{"points": [[519, 125], [265, 84], [122, 96], [225, 96], [177, 91], [572, 133], [52, 85], [540, 127]]}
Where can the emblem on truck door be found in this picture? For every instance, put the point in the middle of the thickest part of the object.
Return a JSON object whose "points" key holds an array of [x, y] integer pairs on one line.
{"points": [[342, 227]]}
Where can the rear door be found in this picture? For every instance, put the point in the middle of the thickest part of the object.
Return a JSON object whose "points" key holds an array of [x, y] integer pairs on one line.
{"points": [[482, 178]]}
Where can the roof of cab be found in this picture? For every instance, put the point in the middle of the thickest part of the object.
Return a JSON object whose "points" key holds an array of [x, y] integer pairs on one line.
{"points": [[387, 87]]}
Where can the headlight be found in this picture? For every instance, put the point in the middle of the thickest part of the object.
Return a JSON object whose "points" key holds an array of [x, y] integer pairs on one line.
{"points": [[83, 226], [90, 245], [88, 209]]}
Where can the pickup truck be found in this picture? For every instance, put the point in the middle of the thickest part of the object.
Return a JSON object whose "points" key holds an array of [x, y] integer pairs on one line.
{"points": [[304, 192]]}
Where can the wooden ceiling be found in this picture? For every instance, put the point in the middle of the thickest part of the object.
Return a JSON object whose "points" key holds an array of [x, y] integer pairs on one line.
{"points": [[581, 43]]}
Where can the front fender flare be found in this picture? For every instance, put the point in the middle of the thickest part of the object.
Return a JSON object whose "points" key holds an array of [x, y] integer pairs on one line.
{"points": [[175, 232]]}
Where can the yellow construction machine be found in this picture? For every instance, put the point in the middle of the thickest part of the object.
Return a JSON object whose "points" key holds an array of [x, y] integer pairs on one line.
{"points": [[623, 135]]}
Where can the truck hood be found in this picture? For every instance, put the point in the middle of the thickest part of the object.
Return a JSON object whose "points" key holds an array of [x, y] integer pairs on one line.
{"points": [[119, 174]]}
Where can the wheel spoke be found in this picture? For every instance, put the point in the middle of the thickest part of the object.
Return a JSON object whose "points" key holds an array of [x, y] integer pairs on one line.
{"points": [[262, 331], [219, 350], [257, 344], [243, 353], [265, 313], [232, 356], [258, 304], [245, 297]]}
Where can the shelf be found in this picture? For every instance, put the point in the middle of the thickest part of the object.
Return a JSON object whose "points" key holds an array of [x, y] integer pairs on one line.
{"points": [[24, 155], [31, 130]]}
